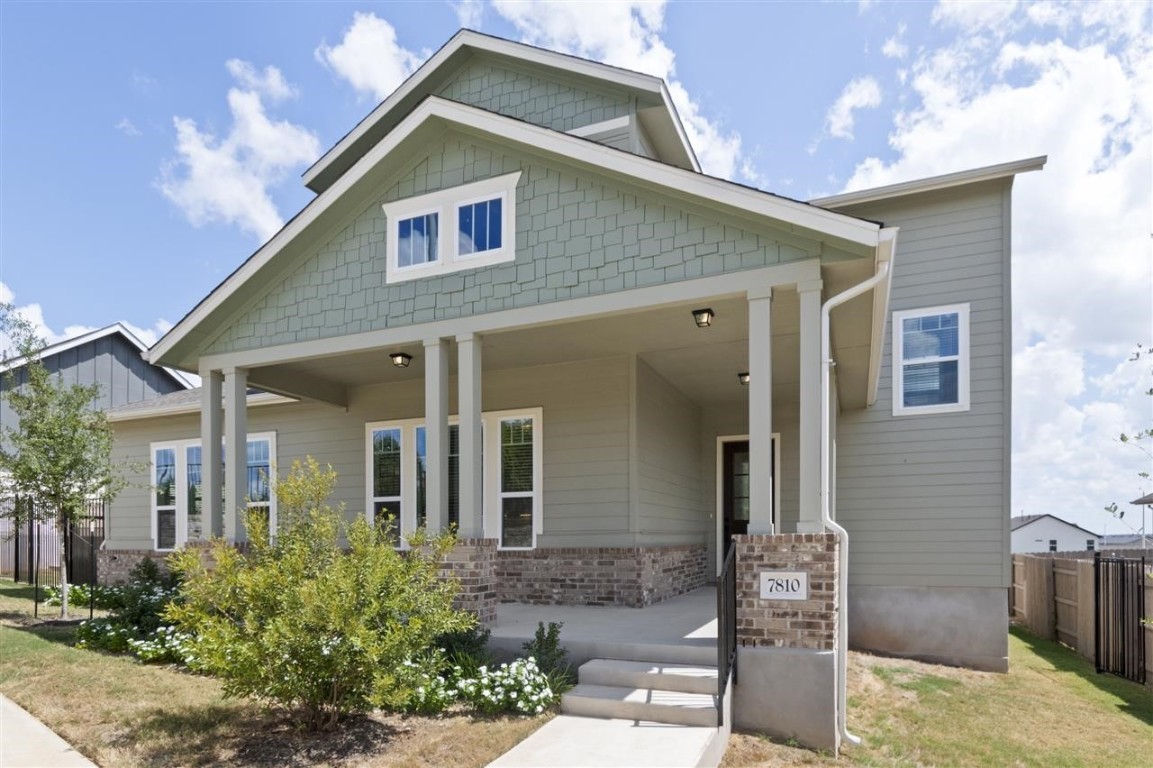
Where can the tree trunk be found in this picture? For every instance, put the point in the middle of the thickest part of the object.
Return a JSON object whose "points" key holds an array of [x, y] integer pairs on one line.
{"points": [[65, 552]]}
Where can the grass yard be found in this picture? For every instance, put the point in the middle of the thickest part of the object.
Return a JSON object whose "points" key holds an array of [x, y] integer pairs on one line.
{"points": [[119, 712], [1051, 709]]}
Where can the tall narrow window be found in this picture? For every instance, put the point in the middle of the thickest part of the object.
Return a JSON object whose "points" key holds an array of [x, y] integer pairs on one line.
{"points": [[516, 482], [386, 471], [418, 239], [195, 490], [931, 360], [453, 476], [259, 492], [165, 479]]}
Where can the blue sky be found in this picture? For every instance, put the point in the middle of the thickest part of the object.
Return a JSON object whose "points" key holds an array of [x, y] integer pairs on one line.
{"points": [[147, 149]]}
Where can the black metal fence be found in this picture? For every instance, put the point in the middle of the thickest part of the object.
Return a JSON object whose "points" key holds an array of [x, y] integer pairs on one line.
{"points": [[726, 628], [1119, 584], [32, 551]]}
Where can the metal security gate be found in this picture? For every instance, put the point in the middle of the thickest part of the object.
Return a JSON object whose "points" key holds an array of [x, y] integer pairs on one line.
{"points": [[1120, 609], [31, 551]]}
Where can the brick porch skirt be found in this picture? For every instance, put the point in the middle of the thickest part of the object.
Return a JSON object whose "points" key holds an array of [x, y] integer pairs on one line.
{"points": [[626, 576]]}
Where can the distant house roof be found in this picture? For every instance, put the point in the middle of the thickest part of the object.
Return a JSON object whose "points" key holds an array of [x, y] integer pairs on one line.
{"points": [[1146, 499], [1016, 523], [176, 403], [76, 341]]}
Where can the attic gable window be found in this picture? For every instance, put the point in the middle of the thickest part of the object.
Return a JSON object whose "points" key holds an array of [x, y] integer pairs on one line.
{"points": [[465, 227]]}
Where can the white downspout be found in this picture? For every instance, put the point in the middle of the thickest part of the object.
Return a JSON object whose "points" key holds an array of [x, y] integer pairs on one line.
{"points": [[886, 244]]}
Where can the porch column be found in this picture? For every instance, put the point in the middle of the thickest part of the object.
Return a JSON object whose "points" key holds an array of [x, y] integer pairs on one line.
{"points": [[760, 411], [235, 452], [469, 402], [436, 433], [211, 441], [810, 415]]}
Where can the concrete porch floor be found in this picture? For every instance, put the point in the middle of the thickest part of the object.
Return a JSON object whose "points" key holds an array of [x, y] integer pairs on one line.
{"points": [[681, 630]]}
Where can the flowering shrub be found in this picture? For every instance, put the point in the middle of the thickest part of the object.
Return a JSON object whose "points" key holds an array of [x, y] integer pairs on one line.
{"points": [[433, 687], [107, 598], [518, 687], [166, 645], [103, 635], [136, 624]]}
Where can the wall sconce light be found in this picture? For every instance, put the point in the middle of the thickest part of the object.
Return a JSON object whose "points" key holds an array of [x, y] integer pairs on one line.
{"points": [[704, 317], [400, 359], [743, 377]]}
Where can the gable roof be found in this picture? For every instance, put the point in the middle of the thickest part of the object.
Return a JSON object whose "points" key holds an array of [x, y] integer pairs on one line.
{"points": [[655, 106], [437, 114], [84, 338], [1019, 522]]}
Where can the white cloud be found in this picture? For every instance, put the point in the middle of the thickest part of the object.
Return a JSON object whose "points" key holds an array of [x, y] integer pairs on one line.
{"points": [[33, 314], [894, 47], [469, 13], [628, 35], [1075, 83], [971, 16], [860, 93], [128, 128], [369, 56], [228, 179]]}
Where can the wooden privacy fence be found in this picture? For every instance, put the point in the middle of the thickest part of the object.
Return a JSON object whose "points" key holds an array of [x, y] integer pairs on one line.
{"points": [[1054, 597]]}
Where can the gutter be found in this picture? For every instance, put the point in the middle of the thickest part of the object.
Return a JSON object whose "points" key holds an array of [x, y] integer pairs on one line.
{"points": [[886, 245]]}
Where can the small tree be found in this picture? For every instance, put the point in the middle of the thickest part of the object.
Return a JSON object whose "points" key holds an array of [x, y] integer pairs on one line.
{"points": [[59, 455], [300, 621]]}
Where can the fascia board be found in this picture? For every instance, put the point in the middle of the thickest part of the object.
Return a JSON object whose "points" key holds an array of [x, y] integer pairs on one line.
{"points": [[467, 38], [679, 181], [156, 411], [961, 178], [886, 251]]}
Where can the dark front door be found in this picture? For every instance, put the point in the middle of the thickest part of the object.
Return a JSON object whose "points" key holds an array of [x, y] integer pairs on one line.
{"points": [[735, 494]]}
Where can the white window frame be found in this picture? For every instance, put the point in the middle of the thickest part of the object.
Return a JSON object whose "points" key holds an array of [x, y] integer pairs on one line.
{"points": [[181, 448], [491, 516], [446, 203], [962, 358]]}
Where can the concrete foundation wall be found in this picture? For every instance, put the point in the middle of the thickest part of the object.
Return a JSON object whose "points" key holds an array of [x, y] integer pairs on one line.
{"points": [[789, 693], [966, 627]]}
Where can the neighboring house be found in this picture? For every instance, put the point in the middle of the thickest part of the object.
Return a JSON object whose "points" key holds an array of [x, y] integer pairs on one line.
{"points": [[490, 316], [1049, 533]]}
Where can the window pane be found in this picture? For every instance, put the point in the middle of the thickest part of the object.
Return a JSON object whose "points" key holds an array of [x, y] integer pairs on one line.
{"points": [[516, 455], [386, 462], [166, 529], [404, 243], [464, 227], [417, 238], [259, 469], [194, 491], [931, 336], [166, 477], [480, 228], [387, 514], [931, 383], [421, 478], [516, 522], [453, 474], [494, 224]]}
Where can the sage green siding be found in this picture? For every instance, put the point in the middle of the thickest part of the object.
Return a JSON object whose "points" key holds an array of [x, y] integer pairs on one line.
{"points": [[668, 464], [925, 498], [585, 432], [577, 234], [518, 93]]}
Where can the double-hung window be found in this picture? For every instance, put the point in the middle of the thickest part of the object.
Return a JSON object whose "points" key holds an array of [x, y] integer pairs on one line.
{"points": [[178, 488], [511, 470], [931, 360], [463, 227]]}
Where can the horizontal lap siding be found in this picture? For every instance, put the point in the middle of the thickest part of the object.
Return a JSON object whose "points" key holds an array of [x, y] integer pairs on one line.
{"points": [[924, 497], [585, 414]]}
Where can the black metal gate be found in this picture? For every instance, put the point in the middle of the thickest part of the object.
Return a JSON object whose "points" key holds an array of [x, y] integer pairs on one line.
{"points": [[1119, 584], [31, 552]]}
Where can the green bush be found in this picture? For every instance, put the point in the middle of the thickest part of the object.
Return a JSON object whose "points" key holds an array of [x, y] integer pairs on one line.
{"points": [[80, 595], [136, 624], [550, 657], [519, 687], [466, 649], [301, 622]]}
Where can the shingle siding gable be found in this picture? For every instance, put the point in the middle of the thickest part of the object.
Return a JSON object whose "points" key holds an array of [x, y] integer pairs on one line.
{"points": [[576, 235]]}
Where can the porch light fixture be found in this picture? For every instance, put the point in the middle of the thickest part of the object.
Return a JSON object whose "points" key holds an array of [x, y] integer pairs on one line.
{"points": [[704, 317], [400, 359], [743, 377]]}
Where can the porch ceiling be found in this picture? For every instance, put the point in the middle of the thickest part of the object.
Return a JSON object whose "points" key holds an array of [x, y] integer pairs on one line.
{"points": [[701, 362]]}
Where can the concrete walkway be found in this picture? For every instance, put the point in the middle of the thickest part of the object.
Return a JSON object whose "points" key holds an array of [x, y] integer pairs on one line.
{"points": [[586, 742], [25, 742]]}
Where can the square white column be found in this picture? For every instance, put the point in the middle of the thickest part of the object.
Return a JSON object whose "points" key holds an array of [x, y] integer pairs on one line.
{"points": [[810, 408], [235, 453], [760, 385], [469, 399], [211, 441], [436, 433]]}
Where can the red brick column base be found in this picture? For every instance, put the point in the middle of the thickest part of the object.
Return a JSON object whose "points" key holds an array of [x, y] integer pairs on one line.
{"points": [[473, 563]]}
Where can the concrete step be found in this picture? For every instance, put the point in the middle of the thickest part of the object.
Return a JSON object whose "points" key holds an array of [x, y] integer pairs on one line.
{"points": [[652, 705], [642, 674]]}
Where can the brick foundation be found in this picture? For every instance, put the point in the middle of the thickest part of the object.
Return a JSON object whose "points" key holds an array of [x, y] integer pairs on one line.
{"points": [[473, 563], [114, 565], [808, 623], [627, 576]]}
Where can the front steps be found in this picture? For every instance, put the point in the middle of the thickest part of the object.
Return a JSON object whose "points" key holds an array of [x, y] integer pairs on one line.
{"points": [[674, 694]]}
